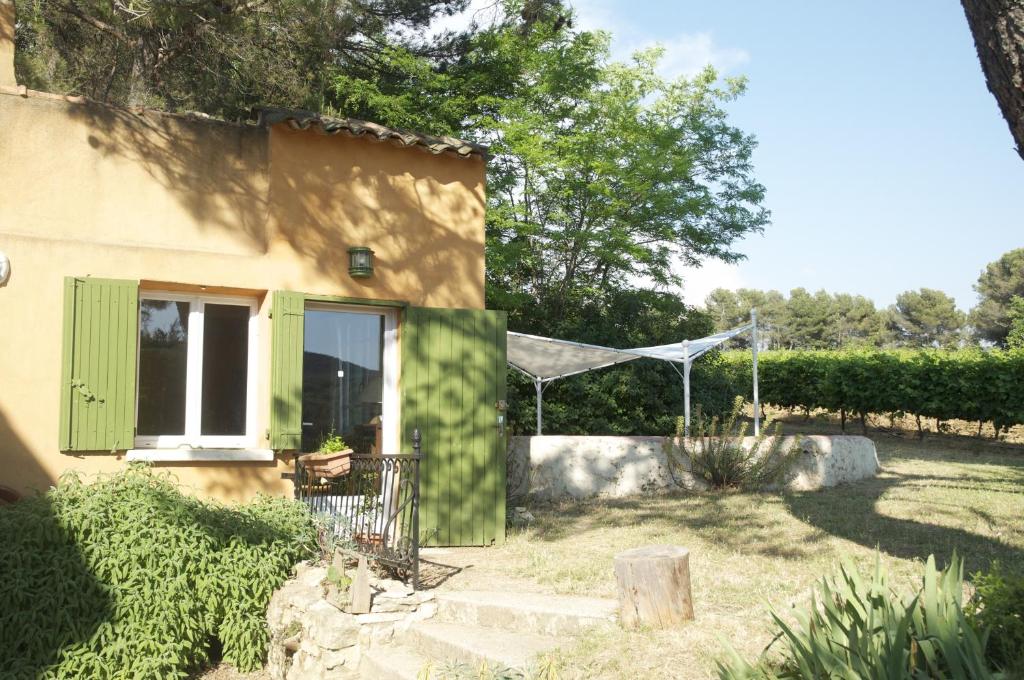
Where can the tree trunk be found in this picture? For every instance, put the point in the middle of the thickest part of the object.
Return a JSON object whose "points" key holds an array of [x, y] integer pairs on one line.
{"points": [[654, 586], [998, 29], [842, 420]]}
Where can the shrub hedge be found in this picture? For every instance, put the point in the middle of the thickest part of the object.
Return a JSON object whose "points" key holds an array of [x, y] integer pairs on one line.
{"points": [[127, 577], [971, 385]]}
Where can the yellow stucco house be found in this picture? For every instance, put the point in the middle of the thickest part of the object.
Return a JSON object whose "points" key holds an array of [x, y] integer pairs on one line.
{"points": [[203, 296]]}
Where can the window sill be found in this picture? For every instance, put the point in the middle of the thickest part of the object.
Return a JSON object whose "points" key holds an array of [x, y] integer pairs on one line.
{"points": [[198, 455]]}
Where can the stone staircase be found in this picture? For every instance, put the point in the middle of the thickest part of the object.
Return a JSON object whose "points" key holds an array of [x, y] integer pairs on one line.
{"points": [[502, 629]]}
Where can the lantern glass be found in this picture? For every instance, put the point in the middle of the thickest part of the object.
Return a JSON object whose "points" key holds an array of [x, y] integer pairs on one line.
{"points": [[360, 261]]}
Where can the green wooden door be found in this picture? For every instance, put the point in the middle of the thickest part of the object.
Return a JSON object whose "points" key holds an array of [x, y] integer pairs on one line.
{"points": [[453, 390]]}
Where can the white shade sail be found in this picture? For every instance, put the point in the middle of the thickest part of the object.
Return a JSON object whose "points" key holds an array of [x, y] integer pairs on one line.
{"points": [[688, 350], [547, 359]]}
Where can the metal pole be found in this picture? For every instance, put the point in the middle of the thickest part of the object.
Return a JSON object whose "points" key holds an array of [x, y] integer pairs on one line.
{"points": [[686, 387], [540, 400], [417, 440], [753, 345]]}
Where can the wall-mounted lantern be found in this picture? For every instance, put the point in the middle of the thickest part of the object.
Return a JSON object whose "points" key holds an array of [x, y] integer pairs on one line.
{"points": [[5, 269], [360, 262]]}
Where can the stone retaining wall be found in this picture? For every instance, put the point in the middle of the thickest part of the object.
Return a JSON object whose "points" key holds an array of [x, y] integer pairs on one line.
{"points": [[313, 637], [559, 467]]}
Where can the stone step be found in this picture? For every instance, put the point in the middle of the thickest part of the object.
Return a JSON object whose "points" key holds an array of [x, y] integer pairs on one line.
{"points": [[477, 646], [556, 615], [392, 662]]}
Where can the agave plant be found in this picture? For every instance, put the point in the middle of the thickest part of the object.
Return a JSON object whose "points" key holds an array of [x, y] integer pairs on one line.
{"points": [[862, 629]]}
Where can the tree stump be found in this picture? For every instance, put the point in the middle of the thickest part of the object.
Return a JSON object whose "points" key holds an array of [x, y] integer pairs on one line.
{"points": [[654, 586]]}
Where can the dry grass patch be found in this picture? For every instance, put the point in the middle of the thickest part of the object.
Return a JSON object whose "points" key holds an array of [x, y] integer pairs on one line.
{"points": [[753, 551]]}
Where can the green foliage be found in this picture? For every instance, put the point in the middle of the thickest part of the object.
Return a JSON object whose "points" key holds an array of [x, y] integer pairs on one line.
{"points": [[926, 318], [996, 287], [1015, 337], [971, 385], [861, 629], [332, 443], [223, 57], [338, 577], [998, 606], [126, 577], [715, 452], [819, 320], [604, 172]]}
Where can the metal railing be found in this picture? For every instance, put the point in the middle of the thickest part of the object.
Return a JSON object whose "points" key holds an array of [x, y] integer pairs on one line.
{"points": [[375, 505]]}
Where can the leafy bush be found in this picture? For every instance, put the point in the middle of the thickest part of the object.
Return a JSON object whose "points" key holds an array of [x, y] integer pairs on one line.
{"points": [[126, 577], [970, 385], [861, 629], [998, 605], [716, 453], [332, 443]]}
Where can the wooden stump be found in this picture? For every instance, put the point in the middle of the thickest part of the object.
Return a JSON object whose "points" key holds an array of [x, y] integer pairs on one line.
{"points": [[654, 586]]}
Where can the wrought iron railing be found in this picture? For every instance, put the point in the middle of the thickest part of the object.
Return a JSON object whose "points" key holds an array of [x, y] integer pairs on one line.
{"points": [[375, 505]]}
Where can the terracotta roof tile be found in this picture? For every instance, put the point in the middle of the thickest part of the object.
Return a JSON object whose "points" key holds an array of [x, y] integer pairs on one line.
{"points": [[304, 120]]}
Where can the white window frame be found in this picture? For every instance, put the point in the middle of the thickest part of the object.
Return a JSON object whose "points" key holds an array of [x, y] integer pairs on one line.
{"points": [[390, 402], [192, 438]]}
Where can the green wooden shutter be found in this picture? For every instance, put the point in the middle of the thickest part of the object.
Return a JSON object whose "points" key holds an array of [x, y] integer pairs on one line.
{"points": [[101, 332], [287, 320], [452, 381]]}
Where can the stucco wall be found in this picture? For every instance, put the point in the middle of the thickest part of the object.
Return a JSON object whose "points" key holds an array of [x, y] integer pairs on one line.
{"points": [[88, 190], [558, 467]]}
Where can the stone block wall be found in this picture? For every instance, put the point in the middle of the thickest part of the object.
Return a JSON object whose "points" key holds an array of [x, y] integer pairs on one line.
{"points": [[560, 467]]}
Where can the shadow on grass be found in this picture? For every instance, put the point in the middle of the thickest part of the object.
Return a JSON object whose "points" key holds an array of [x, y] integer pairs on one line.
{"points": [[852, 511], [944, 508], [750, 523]]}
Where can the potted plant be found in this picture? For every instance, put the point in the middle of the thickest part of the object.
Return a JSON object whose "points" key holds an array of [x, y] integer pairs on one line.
{"points": [[332, 459]]}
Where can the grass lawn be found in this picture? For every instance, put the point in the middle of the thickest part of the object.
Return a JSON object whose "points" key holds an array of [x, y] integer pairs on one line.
{"points": [[750, 552]]}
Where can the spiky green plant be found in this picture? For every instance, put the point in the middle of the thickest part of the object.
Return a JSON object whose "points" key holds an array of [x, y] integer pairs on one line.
{"points": [[715, 452], [856, 628]]}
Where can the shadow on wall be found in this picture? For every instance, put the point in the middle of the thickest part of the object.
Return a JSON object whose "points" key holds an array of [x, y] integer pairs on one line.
{"points": [[414, 209], [323, 193], [19, 467], [217, 171]]}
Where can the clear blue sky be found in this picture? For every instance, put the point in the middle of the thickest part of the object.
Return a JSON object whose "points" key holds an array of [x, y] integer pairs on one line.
{"points": [[887, 164]]}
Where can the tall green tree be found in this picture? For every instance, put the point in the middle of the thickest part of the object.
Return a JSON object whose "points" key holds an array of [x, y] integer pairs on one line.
{"points": [[997, 285], [729, 309], [222, 57], [926, 318], [605, 173], [1015, 338]]}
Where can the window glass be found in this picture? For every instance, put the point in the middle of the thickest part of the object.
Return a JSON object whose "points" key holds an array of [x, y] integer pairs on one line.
{"points": [[342, 378], [225, 369], [163, 363]]}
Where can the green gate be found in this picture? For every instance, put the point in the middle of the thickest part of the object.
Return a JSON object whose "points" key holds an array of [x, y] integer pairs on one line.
{"points": [[453, 389]]}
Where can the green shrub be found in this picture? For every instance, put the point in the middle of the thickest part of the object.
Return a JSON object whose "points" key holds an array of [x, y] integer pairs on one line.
{"points": [[126, 577], [968, 384], [862, 629], [716, 454], [998, 605]]}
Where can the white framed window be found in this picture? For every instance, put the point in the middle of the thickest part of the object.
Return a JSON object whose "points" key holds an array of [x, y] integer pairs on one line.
{"points": [[197, 372]]}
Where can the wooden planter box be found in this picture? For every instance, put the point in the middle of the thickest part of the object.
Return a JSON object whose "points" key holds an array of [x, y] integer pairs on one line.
{"points": [[330, 465]]}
